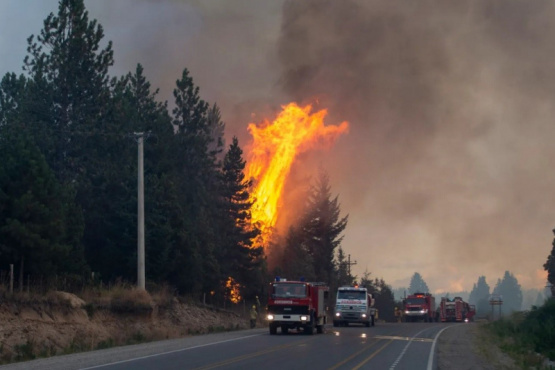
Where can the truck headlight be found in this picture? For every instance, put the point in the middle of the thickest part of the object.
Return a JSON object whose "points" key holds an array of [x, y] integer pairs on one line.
{"points": [[270, 317], [363, 315], [304, 318], [337, 314]]}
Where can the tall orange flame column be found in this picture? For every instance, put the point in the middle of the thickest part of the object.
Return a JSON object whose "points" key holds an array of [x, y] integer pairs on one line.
{"points": [[273, 150]]}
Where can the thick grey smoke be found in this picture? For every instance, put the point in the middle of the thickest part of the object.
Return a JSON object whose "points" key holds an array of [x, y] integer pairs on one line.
{"points": [[446, 170]]}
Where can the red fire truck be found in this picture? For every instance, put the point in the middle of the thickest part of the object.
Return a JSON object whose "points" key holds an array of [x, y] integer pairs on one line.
{"points": [[456, 310], [420, 306], [297, 305]]}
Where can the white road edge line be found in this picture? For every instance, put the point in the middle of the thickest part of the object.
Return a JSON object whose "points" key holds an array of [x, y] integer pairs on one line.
{"points": [[431, 356], [166, 353], [405, 349]]}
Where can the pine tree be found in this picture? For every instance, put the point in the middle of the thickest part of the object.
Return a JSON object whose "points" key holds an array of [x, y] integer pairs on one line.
{"points": [[509, 289], [480, 295], [216, 129], [344, 278], [69, 69], [35, 211], [549, 266], [237, 255], [297, 261], [322, 228], [194, 262], [417, 284], [385, 301]]}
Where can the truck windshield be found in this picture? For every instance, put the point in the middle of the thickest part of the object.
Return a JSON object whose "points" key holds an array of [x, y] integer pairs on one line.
{"points": [[415, 301], [351, 294], [289, 290]]}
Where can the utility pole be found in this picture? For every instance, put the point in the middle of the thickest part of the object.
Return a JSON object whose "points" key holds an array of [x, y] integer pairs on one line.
{"points": [[349, 264], [139, 136]]}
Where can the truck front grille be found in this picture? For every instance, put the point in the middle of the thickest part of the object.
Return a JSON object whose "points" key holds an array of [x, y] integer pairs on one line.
{"points": [[288, 310]]}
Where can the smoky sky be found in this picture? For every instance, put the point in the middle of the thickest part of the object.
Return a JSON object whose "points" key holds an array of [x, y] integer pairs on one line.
{"points": [[447, 167]]}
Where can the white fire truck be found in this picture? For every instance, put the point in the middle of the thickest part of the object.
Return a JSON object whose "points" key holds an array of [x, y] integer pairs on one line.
{"points": [[354, 305]]}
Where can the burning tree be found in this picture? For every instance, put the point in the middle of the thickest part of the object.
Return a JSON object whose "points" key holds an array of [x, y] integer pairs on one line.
{"points": [[274, 148]]}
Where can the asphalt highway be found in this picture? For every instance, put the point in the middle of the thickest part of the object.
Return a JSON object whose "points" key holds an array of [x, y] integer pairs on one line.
{"points": [[390, 346]]}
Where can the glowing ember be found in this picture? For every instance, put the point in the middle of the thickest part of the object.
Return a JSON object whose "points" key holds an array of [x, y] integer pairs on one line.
{"points": [[232, 290], [273, 150]]}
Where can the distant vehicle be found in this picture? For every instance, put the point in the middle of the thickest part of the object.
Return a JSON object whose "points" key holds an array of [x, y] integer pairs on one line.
{"points": [[456, 310], [297, 305], [354, 305], [419, 307]]}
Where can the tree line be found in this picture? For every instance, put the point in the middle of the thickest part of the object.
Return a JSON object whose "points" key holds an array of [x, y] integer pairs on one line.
{"points": [[68, 178]]}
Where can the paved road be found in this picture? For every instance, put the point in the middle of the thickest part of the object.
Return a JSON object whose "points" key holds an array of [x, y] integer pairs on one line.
{"points": [[385, 346]]}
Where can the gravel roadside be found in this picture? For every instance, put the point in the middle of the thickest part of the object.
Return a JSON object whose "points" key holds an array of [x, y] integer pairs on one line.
{"points": [[463, 347]]}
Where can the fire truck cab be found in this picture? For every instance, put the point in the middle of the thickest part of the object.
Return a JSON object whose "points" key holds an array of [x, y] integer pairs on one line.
{"points": [[420, 306], [354, 305], [297, 305]]}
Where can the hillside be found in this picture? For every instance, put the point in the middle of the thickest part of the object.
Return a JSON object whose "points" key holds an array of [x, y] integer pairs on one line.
{"points": [[64, 323]]}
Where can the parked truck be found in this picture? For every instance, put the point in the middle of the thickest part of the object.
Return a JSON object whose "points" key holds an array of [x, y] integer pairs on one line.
{"points": [[456, 310], [354, 305], [297, 305], [419, 307]]}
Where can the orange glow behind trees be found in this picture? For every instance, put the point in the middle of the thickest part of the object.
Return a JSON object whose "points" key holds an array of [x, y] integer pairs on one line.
{"points": [[272, 153]]}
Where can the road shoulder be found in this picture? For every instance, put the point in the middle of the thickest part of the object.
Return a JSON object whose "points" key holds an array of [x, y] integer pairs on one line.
{"points": [[464, 346]]}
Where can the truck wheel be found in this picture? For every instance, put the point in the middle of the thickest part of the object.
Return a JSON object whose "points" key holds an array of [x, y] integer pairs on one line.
{"points": [[273, 329], [309, 329], [284, 329], [319, 329], [335, 323], [367, 323], [373, 321]]}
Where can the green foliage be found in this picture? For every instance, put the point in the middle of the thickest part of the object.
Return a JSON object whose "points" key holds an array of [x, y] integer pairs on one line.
{"points": [[108, 343], [549, 265], [479, 296], [36, 211], [525, 333], [322, 228], [344, 277], [69, 199], [136, 338], [417, 284], [297, 260], [509, 289], [25, 352], [237, 256]]}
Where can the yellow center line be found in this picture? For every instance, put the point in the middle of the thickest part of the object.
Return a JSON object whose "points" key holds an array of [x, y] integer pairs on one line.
{"points": [[249, 355], [352, 356], [372, 355]]}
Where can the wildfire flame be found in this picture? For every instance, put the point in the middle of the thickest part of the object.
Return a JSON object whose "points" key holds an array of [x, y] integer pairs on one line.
{"points": [[273, 150], [233, 290]]}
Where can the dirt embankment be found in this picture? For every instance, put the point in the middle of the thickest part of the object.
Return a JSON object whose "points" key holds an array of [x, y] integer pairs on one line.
{"points": [[34, 329]]}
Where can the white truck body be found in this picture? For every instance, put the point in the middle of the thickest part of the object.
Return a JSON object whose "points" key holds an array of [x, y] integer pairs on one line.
{"points": [[354, 305]]}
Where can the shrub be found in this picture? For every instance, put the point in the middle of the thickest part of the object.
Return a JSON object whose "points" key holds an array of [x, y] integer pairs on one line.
{"points": [[525, 334]]}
